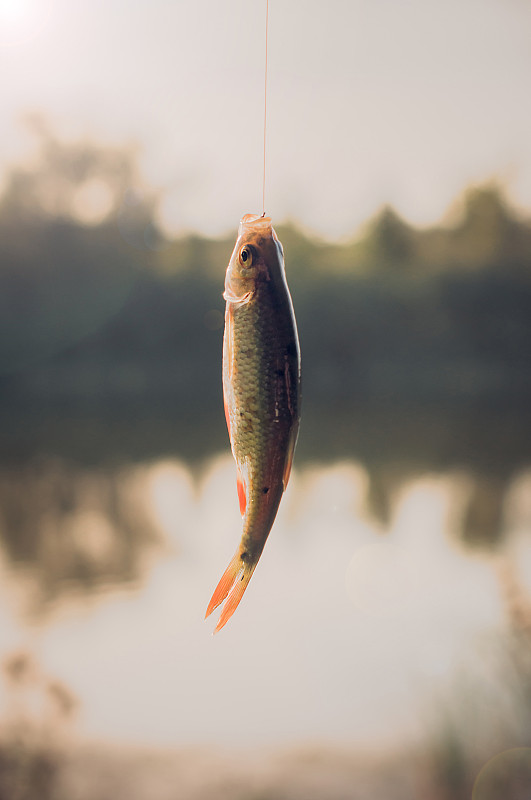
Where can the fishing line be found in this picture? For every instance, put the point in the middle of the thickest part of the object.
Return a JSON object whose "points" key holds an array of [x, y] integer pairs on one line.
{"points": [[265, 109]]}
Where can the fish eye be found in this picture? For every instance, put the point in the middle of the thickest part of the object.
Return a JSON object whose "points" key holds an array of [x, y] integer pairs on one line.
{"points": [[246, 256]]}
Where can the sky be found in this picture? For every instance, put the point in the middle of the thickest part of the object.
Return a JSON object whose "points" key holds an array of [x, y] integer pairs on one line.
{"points": [[370, 102]]}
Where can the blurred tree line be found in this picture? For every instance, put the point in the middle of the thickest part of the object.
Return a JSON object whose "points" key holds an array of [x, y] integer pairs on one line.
{"points": [[416, 343]]}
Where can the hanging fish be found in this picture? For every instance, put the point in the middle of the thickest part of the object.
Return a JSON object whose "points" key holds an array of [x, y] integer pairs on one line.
{"points": [[261, 390]]}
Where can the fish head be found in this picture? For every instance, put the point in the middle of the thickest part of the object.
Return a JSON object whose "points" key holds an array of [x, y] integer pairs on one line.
{"points": [[257, 257]]}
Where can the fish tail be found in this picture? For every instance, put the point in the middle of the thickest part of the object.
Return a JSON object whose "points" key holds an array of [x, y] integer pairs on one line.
{"points": [[231, 588]]}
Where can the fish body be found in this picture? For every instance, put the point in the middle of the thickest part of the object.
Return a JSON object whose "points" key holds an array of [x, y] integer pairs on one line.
{"points": [[261, 390]]}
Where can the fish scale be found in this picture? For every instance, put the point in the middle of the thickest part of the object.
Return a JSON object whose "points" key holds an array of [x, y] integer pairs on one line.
{"points": [[261, 387], [254, 392]]}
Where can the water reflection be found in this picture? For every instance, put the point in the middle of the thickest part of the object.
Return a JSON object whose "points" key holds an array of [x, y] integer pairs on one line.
{"points": [[354, 631], [77, 528], [66, 528]]}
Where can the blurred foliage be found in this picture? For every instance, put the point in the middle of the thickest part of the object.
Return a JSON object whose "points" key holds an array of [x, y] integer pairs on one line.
{"points": [[416, 343], [481, 741], [416, 356], [34, 729]]}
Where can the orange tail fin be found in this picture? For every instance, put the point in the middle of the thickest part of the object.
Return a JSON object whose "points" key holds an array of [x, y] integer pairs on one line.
{"points": [[232, 585]]}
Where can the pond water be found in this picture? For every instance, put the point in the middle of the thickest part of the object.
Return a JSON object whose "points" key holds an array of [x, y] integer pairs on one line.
{"points": [[358, 628]]}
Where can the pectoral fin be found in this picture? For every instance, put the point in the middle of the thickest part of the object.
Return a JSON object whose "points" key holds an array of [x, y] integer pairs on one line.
{"points": [[242, 492]]}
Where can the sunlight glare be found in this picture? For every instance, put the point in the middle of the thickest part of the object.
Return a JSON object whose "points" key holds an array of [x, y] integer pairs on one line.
{"points": [[14, 10], [23, 20]]}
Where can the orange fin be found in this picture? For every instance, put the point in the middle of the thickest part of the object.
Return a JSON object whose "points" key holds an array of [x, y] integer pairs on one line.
{"points": [[225, 584], [232, 586], [242, 494], [234, 597]]}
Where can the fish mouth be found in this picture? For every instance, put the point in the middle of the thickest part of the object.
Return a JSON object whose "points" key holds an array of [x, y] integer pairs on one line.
{"points": [[253, 223]]}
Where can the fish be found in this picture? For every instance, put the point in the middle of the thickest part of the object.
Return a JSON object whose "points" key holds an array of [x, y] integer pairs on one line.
{"points": [[261, 393]]}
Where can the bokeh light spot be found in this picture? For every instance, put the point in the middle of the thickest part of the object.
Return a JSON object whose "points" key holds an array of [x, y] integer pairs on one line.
{"points": [[92, 202], [507, 776]]}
